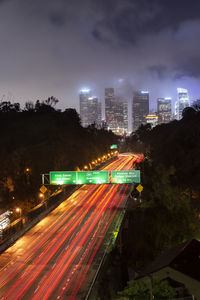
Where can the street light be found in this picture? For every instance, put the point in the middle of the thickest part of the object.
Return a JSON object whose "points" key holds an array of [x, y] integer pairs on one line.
{"points": [[28, 174], [19, 210], [41, 195]]}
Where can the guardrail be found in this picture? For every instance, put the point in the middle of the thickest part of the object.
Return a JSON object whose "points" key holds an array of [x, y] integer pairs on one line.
{"points": [[118, 226], [17, 228]]}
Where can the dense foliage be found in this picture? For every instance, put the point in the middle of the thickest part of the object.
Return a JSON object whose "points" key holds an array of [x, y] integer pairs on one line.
{"points": [[169, 213], [161, 290], [39, 139]]}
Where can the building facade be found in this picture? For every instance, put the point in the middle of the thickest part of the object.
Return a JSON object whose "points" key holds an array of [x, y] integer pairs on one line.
{"points": [[140, 108], [116, 112], [181, 103], [110, 107], [164, 110], [90, 108]]}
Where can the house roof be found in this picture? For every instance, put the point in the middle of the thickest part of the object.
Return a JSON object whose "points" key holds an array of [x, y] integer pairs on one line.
{"points": [[184, 258]]}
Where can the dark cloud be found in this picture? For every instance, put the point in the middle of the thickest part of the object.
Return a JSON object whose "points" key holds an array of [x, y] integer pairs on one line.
{"points": [[128, 21], [158, 70], [53, 47], [57, 18], [189, 67]]}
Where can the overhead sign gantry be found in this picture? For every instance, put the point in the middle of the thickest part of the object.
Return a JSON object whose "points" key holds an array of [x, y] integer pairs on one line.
{"points": [[94, 177]]}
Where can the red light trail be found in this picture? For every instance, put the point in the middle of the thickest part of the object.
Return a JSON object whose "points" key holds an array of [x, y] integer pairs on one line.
{"points": [[53, 259]]}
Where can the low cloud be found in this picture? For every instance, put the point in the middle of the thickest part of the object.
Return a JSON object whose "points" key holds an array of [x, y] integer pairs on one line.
{"points": [[54, 48]]}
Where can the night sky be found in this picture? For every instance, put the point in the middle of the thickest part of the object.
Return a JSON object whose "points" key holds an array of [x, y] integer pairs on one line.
{"points": [[57, 47]]}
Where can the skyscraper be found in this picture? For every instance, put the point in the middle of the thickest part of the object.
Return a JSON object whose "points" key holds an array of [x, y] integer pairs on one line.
{"points": [[89, 108], [99, 118], [121, 116], [109, 107], [140, 108], [181, 103], [116, 112], [164, 110], [125, 114]]}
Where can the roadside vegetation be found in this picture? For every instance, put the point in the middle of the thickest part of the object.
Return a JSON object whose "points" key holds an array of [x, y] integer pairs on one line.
{"points": [[40, 138], [169, 213]]}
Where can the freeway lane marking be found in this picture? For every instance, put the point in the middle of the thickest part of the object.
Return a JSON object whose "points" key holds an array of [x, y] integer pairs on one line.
{"points": [[36, 289]]}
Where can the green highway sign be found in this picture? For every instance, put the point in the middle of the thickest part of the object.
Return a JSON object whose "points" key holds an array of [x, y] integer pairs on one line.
{"points": [[93, 177], [113, 147], [132, 176], [63, 177]]}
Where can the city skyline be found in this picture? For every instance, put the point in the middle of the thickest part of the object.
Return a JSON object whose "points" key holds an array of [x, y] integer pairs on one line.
{"points": [[52, 48], [121, 114]]}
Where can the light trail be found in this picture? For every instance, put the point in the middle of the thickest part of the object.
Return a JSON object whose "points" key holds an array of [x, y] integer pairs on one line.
{"points": [[53, 259]]}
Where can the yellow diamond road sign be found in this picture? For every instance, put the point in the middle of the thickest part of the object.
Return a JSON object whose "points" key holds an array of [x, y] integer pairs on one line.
{"points": [[43, 189], [115, 234], [139, 188]]}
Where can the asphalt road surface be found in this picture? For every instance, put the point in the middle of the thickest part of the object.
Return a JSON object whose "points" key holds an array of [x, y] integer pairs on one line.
{"points": [[58, 258]]}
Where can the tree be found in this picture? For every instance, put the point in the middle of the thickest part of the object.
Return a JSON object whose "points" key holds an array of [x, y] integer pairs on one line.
{"points": [[137, 290], [188, 113], [8, 107], [196, 105], [51, 101], [29, 106], [42, 139]]}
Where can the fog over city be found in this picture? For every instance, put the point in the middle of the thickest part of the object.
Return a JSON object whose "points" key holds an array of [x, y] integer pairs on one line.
{"points": [[59, 47]]}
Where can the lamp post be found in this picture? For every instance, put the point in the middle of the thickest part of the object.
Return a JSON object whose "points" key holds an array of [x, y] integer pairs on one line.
{"points": [[19, 210], [43, 199], [41, 196], [28, 173]]}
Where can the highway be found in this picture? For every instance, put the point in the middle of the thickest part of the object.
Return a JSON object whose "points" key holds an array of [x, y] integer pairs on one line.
{"points": [[58, 257]]}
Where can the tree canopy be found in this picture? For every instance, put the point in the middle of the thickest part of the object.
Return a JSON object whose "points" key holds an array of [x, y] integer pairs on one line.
{"points": [[170, 208], [137, 290], [41, 138]]}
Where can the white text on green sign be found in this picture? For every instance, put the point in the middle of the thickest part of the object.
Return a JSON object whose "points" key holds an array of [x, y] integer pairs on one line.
{"points": [[113, 147], [132, 176], [93, 177], [63, 177]]}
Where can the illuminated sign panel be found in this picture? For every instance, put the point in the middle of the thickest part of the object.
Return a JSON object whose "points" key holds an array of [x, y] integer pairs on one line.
{"points": [[132, 176], [63, 177], [85, 91], [113, 147], [81, 177], [93, 177]]}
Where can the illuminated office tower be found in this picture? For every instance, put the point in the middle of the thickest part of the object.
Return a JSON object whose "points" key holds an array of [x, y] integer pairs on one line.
{"points": [[176, 110], [110, 107], [140, 108], [125, 114], [181, 103], [116, 112], [99, 112], [164, 110], [121, 116], [89, 108]]}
